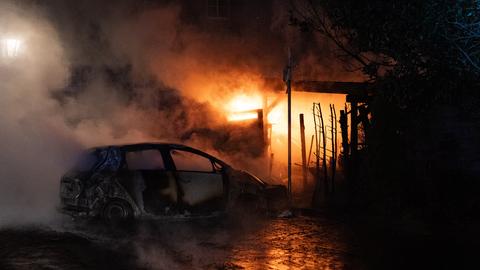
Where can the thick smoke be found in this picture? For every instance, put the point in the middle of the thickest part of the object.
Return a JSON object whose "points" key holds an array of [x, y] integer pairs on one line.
{"points": [[106, 72], [35, 144]]}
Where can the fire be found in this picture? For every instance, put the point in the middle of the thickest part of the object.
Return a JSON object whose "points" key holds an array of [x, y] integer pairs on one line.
{"points": [[244, 107], [240, 116], [245, 102], [275, 116]]}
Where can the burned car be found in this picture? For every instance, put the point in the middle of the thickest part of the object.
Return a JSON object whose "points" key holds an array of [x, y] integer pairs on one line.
{"points": [[157, 180]]}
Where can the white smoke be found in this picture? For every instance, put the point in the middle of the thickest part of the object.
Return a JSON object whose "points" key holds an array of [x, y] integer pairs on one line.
{"points": [[35, 147]]}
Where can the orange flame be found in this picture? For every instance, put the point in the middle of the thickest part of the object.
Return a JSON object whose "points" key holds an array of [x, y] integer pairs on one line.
{"points": [[243, 107], [240, 116]]}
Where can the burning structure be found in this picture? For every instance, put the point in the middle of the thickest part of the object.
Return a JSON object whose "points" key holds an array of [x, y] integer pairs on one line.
{"points": [[194, 72], [202, 69], [76, 74]]}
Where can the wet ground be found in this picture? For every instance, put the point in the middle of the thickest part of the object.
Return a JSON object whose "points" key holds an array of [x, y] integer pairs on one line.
{"points": [[300, 242]]}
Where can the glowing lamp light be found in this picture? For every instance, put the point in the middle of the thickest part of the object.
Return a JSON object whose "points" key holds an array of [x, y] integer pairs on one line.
{"points": [[10, 47]]}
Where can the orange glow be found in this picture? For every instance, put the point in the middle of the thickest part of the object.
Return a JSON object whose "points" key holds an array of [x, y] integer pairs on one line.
{"points": [[301, 103], [276, 115], [239, 116], [245, 102], [237, 94], [244, 106]]}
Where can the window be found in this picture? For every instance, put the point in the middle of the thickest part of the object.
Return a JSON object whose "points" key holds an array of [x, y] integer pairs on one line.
{"points": [[145, 160], [218, 8], [187, 161]]}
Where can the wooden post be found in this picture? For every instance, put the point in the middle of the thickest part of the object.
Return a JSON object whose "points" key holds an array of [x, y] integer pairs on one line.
{"points": [[269, 136], [316, 191], [289, 137], [333, 161], [304, 154], [344, 130], [310, 152], [271, 164], [354, 132], [261, 127], [266, 124], [353, 161], [363, 118], [335, 147], [324, 156]]}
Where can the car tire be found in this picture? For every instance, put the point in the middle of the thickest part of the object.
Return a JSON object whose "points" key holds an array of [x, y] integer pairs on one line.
{"points": [[117, 210]]}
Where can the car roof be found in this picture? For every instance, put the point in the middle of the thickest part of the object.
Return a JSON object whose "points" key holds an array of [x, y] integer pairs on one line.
{"points": [[147, 145]]}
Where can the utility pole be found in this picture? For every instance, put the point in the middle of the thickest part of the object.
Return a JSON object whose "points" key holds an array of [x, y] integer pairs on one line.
{"points": [[287, 78]]}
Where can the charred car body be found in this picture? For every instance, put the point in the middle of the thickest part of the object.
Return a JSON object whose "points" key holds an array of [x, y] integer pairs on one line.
{"points": [[145, 180]]}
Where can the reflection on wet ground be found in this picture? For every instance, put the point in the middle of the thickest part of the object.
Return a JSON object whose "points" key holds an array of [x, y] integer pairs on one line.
{"points": [[296, 243], [246, 243], [293, 243]]}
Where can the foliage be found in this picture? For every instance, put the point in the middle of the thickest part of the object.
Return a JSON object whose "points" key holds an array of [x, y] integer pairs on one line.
{"points": [[423, 58], [400, 42], [463, 32]]}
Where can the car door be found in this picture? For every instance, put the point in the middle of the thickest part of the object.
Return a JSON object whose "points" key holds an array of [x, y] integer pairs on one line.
{"points": [[201, 186], [154, 188]]}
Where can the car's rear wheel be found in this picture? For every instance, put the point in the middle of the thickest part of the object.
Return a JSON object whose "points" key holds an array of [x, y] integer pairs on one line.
{"points": [[116, 210]]}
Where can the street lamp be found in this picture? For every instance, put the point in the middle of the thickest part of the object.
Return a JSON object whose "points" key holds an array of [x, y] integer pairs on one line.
{"points": [[10, 47]]}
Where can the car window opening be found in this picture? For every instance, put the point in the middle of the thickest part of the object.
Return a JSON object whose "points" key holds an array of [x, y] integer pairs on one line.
{"points": [[150, 159], [188, 161]]}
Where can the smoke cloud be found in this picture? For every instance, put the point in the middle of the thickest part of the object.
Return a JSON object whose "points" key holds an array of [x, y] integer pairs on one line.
{"points": [[35, 147], [106, 72]]}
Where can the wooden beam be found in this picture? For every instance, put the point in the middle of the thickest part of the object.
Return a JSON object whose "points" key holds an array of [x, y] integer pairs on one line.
{"points": [[351, 88], [333, 87]]}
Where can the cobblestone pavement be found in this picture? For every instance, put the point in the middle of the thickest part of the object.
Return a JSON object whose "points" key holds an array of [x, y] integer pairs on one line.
{"points": [[246, 243]]}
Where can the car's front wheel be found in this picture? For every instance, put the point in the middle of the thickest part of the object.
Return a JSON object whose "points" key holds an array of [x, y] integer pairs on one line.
{"points": [[117, 210]]}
